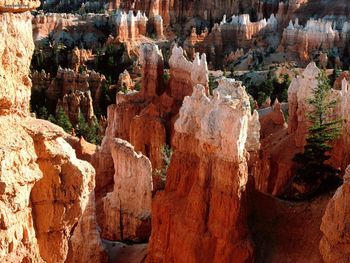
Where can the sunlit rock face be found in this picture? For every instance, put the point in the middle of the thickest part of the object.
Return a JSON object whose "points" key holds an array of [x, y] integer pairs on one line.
{"points": [[146, 118], [201, 215], [315, 35], [44, 189], [127, 210], [231, 34], [279, 142]]}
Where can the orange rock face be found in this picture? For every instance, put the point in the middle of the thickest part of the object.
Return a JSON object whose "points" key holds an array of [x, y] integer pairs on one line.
{"points": [[240, 32], [279, 143], [44, 188], [335, 244], [316, 35], [152, 109], [77, 103], [151, 142], [60, 196], [201, 215], [127, 210]]}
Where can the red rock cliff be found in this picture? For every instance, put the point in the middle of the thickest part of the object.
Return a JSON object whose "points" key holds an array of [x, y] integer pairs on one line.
{"points": [[201, 215]]}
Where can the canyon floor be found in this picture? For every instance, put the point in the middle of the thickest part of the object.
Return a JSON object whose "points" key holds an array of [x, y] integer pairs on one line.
{"points": [[286, 231]]}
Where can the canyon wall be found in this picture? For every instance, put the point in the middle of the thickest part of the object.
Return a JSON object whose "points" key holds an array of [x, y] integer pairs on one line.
{"points": [[314, 36], [74, 92], [61, 29], [179, 11], [130, 27], [201, 215], [45, 189], [231, 34], [335, 243]]}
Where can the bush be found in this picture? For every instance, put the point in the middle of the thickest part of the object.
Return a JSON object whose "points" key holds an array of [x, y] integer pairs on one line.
{"points": [[90, 131], [167, 153]]}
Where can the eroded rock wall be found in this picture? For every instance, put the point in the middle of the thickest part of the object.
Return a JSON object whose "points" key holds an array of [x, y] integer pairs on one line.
{"points": [[335, 243], [154, 108], [201, 215], [127, 210], [44, 187]]}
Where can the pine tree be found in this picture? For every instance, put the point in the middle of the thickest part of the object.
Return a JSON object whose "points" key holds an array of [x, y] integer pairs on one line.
{"points": [[90, 131], [312, 168], [63, 121]]}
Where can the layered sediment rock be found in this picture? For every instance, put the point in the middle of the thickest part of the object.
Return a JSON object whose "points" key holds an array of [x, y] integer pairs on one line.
{"points": [[80, 57], [127, 210], [153, 108], [44, 188], [316, 35], [77, 103], [335, 243], [185, 74], [201, 215], [75, 92], [60, 28], [299, 91], [60, 197], [280, 144], [178, 11], [228, 36], [125, 81]]}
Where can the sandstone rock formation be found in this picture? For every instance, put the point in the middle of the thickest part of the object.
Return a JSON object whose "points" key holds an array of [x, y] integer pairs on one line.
{"points": [[125, 81], [154, 109], [201, 215], [75, 92], [60, 28], [279, 146], [80, 57], [45, 189], [179, 11], [85, 241], [77, 103], [130, 27], [40, 80], [281, 143], [229, 35], [340, 153], [60, 197], [185, 74], [127, 210], [299, 91], [316, 35], [273, 121], [334, 246]]}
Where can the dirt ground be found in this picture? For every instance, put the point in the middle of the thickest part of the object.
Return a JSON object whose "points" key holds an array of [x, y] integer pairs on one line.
{"points": [[122, 253], [286, 232]]}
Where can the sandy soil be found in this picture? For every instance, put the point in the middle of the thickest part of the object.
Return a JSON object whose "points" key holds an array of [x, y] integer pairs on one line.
{"points": [[287, 232], [122, 253]]}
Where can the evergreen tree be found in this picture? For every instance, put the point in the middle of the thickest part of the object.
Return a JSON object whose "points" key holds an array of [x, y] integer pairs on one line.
{"points": [[90, 131], [82, 126], [312, 169], [63, 121]]}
